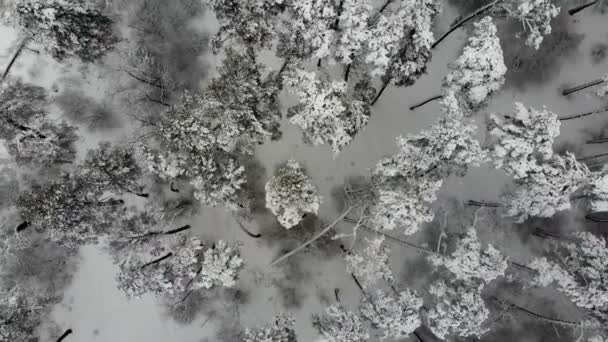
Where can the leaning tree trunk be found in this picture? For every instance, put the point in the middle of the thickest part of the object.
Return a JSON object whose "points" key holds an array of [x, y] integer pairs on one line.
{"points": [[246, 231], [592, 157], [64, 335], [382, 89], [582, 115], [156, 261], [484, 204], [597, 141], [577, 9], [582, 86], [465, 20], [22, 46], [436, 97], [22, 226]]}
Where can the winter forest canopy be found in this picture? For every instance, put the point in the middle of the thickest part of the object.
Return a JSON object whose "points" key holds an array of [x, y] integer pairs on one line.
{"points": [[227, 159]]}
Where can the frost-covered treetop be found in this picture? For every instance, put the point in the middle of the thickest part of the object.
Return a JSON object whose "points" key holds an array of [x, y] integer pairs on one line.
{"points": [[113, 166], [597, 338], [396, 314], [406, 183], [469, 261], [67, 27], [252, 23], [281, 329], [581, 273], [21, 313], [371, 264], [523, 138], [448, 147], [341, 325], [354, 33], [401, 39], [535, 17], [597, 190], [323, 111], [403, 202], [290, 194], [480, 70], [174, 269], [459, 310], [548, 189]]}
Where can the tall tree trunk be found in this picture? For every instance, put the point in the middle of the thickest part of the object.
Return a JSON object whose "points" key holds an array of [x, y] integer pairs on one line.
{"points": [[246, 231], [598, 141], [177, 230], [577, 9], [64, 335], [546, 319], [436, 97], [582, 87], [338, 13], [382, 89], [314, 238], [592, 157], [582, 115], [156, 261], [22, 226], [465, 20], [14, 59], [484, 204], [347, 71]]}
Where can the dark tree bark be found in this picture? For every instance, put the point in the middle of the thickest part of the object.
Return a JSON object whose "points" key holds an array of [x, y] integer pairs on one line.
{"points": [[246, 231], [141, 194], [337, 294], [592, 157], [484, 204], [177, 230], [541, 233], [436, 97], [598, 141], [347, 71], [465, 20], [338, 13], [582, 87], [22, 46], [284, 66], [22, 226], [173, 188], [64, 335], [142, 80], [382, 89], [156, 261], [596, 219], [577, 9], [582, 115]]}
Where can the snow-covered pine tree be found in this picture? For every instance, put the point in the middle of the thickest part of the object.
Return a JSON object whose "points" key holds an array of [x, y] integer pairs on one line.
{"points": [[67, 27], [281, 329], [290, 194], [479, 71]]}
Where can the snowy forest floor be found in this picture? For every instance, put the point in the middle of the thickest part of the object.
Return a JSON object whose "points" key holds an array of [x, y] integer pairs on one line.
{"points": [[92, 306]]}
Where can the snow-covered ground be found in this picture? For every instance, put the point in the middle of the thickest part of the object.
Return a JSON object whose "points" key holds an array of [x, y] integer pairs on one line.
{"points": [[97, 311]]}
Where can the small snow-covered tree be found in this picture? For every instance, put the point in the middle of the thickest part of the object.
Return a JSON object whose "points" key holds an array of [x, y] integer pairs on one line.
{"points": [[480, 70], [252, 23], [184, 266], [580, 272], [548, 189], [597, 190], [469, 261], [397, 314], [21, 313], [114, 167], [353, 30], [196, 141], [338, 324], [70, 209], [67, 27], [308, 30], [603, 90], [30, 137], [406, 183], [323, 111], [290, 194], [459, 310], [280, 330], [535, 17], [256, 110], [371, 264], [400, 42], [522, 138]]}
